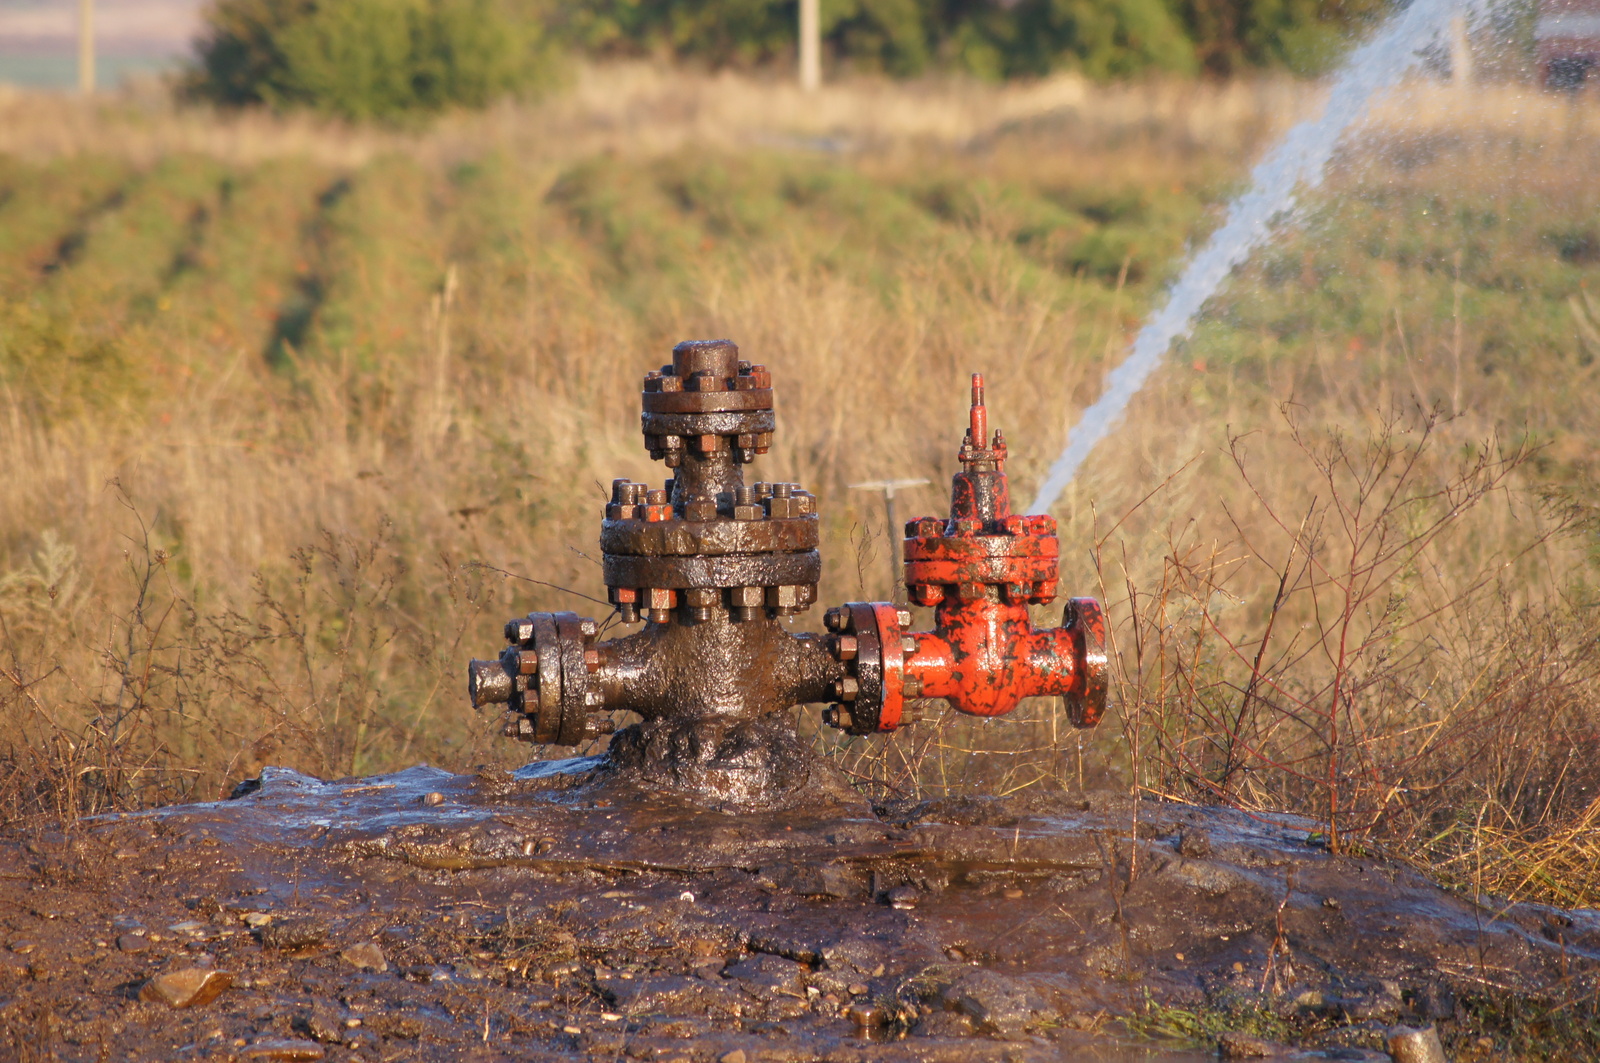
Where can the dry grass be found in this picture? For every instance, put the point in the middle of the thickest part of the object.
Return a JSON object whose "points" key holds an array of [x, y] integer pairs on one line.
{"points": [[645, 109], [282, 400]]}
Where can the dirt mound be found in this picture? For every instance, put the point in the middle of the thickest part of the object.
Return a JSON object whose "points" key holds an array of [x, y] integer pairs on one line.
{"points": [[550, 913]]}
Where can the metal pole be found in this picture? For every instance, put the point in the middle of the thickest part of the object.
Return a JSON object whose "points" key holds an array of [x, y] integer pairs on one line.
{"points": [[810, 45], [86, 46], [896, 552]]}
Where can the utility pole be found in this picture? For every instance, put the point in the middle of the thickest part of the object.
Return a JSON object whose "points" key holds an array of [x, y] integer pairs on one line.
{"points": [[1460, 52], [810, 45], [86, 46], [897, 584]]}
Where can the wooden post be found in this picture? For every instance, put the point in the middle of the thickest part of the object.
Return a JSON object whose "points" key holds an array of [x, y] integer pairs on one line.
{"points": [[810, 45], [86, 46]]}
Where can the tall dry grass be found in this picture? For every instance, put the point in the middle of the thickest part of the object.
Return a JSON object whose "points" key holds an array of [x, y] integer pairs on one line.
{"points": [[297, 415]]}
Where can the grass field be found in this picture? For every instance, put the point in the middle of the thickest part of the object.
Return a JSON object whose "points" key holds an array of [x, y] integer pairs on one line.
{"points": [[291, 410]]}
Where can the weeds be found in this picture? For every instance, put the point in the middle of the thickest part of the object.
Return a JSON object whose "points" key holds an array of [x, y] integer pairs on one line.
{"points": [[1201, 1027]]}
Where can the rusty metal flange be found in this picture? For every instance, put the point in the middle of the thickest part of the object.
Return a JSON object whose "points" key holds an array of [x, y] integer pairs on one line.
{"points": [[870, 640], [707, 400]]}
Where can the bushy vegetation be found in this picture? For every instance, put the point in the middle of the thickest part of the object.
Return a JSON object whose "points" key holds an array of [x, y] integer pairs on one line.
{"points": [[1101, 38], [386, 58], [364, 59]]}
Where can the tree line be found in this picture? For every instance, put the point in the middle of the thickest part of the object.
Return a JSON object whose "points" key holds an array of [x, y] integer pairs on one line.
{"points": [[388, 58]]}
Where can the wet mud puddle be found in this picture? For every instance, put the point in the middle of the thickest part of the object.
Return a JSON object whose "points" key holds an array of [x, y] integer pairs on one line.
{"points": [[541, 914]]}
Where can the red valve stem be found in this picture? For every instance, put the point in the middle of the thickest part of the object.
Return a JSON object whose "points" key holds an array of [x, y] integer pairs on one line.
{"points": [[979, 433]]}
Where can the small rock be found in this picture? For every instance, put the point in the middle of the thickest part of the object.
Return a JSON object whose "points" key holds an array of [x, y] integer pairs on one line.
{"points": [[1311, 1000], [1409, 1045], [429, 972], [1383, 1005], [866, 1015], [736, 1056], [857, 989], [943, 1024], [1235, 1045], [186, 988], [361, 1040], [1194, 843], [284, 1049], [1001, 1005], [294, 934], [366, 956], [324, 1024], [394, 936], [767, 972], [132, 942], [903, 897], [1434, 1002], [405, 1027], [434, 798], [256, 920], [22, 948]]}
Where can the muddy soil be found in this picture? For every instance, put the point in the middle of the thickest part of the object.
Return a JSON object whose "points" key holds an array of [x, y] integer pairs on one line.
{"points": [[558, 912]]}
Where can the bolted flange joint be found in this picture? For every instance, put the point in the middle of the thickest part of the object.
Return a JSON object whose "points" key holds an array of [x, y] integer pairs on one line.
{"points": [[543, 677]]}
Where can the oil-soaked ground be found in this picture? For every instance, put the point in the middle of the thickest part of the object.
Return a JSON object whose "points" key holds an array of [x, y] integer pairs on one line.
{"points": [[425, 915]]}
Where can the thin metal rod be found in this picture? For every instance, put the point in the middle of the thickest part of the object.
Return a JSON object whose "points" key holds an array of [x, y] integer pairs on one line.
{"points": [[896, 551]]}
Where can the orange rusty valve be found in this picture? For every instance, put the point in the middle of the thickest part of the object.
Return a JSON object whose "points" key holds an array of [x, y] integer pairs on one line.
{"points": [[980, 570]]}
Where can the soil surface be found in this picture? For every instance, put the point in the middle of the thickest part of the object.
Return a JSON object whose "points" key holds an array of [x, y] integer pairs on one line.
{"points": [[559, 912]]}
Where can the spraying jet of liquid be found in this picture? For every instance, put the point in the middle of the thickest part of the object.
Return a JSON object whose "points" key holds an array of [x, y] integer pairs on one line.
{"points": [[1300, 159]]}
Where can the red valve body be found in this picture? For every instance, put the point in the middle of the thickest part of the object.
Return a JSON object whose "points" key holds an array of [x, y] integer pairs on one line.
{"points": [[979, 569], [984, 657]]}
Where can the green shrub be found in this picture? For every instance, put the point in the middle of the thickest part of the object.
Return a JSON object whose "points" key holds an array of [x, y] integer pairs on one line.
{"points": [[366, 59]]}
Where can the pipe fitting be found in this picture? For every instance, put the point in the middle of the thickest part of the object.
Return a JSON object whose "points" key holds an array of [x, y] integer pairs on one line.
{"points": [[713, 565]]}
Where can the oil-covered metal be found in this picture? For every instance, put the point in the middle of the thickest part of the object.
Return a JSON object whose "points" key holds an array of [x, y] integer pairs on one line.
{"points": [[713, 565]]}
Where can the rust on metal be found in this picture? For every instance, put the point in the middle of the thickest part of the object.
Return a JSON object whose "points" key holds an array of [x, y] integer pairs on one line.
{"points": [[713, 565], [979, 569]]}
